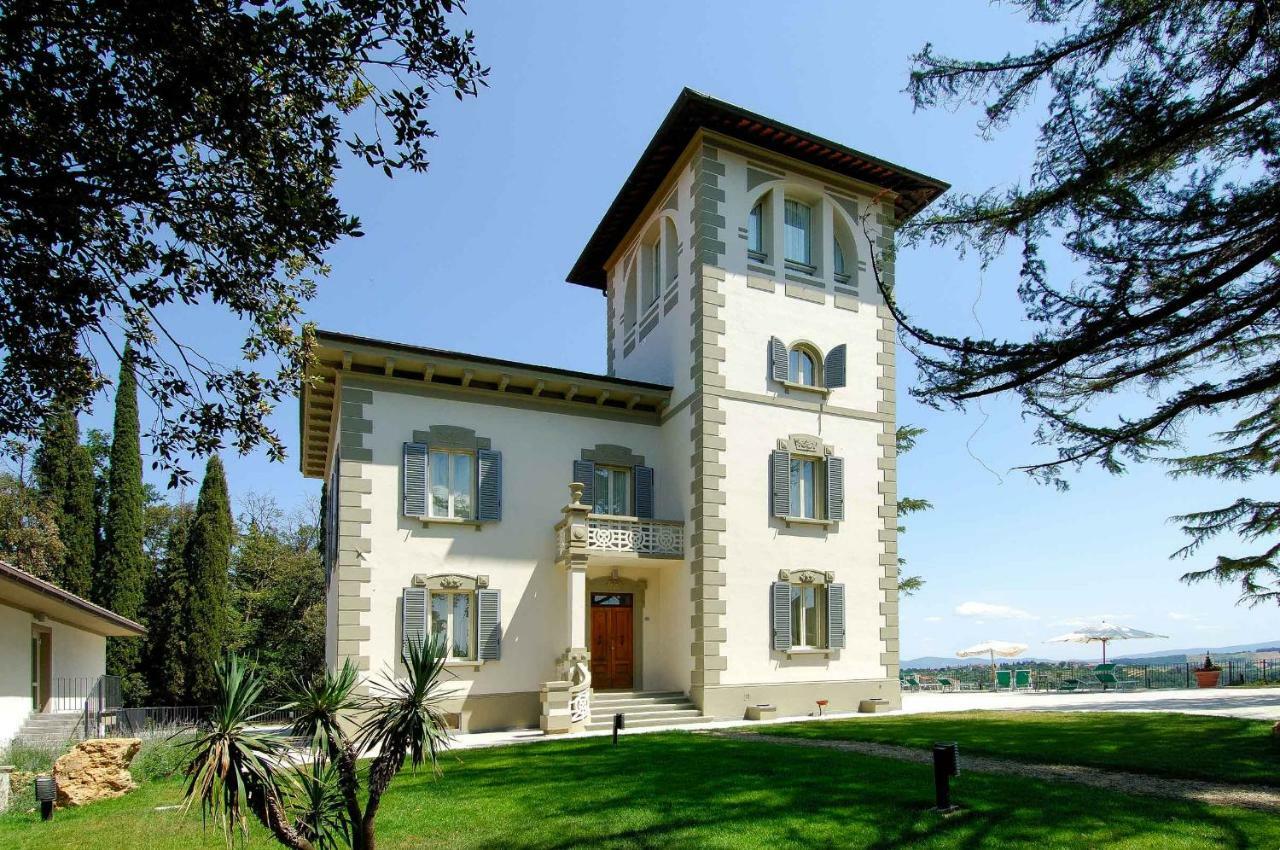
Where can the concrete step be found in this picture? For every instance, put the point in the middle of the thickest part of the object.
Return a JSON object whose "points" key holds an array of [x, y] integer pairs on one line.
{"points": [[604, 726], [49, 730], [636, 702], [631, 716]]}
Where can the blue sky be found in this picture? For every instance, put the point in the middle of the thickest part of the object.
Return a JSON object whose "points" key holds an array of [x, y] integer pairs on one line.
{"points": [[472, 256]]}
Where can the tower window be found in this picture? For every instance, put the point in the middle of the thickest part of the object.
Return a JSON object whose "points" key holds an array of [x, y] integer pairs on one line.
{"points": [[797, 220], [802, 368], [755, 232]]}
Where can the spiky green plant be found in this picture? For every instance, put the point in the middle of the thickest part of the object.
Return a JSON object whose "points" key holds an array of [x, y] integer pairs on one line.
{"points": [[236, 771]]}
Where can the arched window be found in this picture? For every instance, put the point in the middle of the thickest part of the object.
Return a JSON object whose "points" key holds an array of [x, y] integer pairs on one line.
{"points": [[629, 300], [758, 237], [845, 256], [798, 226], [802, 366]]}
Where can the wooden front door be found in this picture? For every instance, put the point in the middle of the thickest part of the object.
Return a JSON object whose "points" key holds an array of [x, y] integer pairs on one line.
{"points": [[611, 641], [41, 667]]}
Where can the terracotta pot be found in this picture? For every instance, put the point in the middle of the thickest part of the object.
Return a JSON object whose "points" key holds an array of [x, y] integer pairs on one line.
{"points": [[1207, 678]]}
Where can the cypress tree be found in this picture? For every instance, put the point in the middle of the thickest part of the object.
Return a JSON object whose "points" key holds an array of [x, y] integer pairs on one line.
{"points": [[166, 608], [64, 475], [207, 560], [123, 571]]}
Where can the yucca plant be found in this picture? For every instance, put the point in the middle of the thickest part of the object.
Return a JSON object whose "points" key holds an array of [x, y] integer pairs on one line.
{"points": [[315, 803]]}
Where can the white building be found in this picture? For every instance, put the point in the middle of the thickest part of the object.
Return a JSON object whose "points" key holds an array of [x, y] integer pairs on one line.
{"points": [[736, 541], [53, 648]]}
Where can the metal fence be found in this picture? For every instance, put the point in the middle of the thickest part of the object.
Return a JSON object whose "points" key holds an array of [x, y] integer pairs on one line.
{"points": [[101, 706], [1051, 677], [167, 719]]}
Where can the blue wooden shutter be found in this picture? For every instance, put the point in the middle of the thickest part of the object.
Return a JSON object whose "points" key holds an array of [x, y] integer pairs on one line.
{"points": [[644, 492], [780, 474], [415, 479], [584, 473], [489, 463], [489, 622], [833, 367], [835, 489], [413, 619], [835, 616], [778, 358], [780, 602]]}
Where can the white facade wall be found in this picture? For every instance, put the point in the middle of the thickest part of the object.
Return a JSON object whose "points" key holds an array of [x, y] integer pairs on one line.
{"points": [[76, 654]]}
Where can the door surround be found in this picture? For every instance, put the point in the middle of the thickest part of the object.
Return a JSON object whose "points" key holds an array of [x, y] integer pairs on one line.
{"points": [[636, 587], [42, 636]]}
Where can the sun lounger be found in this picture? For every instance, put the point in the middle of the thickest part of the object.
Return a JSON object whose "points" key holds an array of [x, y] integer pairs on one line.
{"points": [[1106, 676], [1004, 680], [1022, 680]]}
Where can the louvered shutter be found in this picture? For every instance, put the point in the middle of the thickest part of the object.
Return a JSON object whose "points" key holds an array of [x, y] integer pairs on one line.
{"points": [[584, 473], [489, 622], [835, 489], [413, 619], [778, 358], [780, 601], [644, 492], [489, 463], [833, 367], [415, 479], [780, 475], [835, 616]]}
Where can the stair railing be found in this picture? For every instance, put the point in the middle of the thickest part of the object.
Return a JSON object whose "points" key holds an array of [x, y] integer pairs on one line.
{"points": [[580, 695]]}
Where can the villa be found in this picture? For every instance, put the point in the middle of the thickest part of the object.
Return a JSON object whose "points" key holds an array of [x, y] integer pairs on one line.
{"points": [[707, 528]]}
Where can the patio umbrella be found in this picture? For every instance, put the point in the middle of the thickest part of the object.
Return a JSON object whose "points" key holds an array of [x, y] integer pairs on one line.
{"points": [[1003, 648], [1103, 634]]}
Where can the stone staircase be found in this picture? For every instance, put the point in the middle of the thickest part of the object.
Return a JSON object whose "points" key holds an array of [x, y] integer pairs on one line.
{"points": [[52, 730], [641, 708]]}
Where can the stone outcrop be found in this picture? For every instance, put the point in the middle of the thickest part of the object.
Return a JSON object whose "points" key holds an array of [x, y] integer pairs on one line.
{"points": [[95, 770]]}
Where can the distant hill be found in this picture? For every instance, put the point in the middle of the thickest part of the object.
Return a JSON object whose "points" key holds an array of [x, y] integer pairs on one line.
{"points": [[1163, 656]]}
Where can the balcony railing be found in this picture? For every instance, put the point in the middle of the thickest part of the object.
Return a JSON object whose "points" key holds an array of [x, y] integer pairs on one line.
{"points": [[625, 535]]}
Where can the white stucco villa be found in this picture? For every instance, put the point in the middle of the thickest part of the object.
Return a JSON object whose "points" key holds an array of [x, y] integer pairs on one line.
{"points": [[53, 647], [708, 527]]}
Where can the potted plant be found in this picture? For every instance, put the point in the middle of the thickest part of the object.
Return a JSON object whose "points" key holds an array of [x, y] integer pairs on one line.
{"points": [[1208, 673]]}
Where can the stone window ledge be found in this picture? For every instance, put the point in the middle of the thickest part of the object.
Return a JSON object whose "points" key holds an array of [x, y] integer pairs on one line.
{"points": [[473, 523], [807, 388], [817, 523], [462, 664], [810, 652]]}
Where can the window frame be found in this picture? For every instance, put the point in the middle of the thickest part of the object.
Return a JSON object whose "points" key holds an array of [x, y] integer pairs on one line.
{"points": [[819, 488], [806, 263], [473, 614], [453, 492], [612, 469], [800, 622], [794, 355], [758, 250]]}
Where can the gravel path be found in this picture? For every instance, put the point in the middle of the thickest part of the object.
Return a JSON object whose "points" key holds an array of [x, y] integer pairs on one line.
{"points": [[1212, 793]]}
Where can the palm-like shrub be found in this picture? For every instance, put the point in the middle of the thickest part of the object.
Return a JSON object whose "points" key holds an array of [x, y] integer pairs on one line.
{"points": [[312, 800]]}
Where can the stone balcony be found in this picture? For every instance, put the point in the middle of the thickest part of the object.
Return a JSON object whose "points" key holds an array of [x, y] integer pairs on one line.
{"points": [[601, 538]]}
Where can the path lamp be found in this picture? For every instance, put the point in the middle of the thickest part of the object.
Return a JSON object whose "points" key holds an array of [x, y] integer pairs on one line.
{"points": [[46, 791], [618, 723], [946, 764]]}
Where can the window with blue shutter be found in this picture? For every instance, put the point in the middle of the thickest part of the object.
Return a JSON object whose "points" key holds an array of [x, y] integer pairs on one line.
{"points": [[835, 616], [415, 480], [644, 492], [489, 500], [413, 618], [489, 628], [780, 476], [778, 358], [835, 489], [833, 368], [780, 603], [584, 473]]}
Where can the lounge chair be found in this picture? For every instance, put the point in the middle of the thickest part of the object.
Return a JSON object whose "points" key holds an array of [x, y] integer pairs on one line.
{"points": [[1106, 676], [1022, 680], [1004, 680], [912, 683], [1070, 685], [947, 683]]}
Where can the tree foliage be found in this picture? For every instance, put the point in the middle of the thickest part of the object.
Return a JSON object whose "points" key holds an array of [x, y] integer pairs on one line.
{"points": [[122, 573], [905, 440], [166, 650], [28, 533], [207, 563], [183, 155], [1157, 170], [277, 604], [65, 475]]}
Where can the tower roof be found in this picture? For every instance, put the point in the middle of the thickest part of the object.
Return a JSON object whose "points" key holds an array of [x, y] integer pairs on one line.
{"points": [[693, 111]]}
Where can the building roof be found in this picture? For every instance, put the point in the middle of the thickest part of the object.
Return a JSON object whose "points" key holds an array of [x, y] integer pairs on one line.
{"points": [[21, 590], [468, 377], [693, 111]]}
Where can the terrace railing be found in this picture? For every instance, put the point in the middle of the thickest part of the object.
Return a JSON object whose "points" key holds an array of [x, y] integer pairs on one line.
{"points": [[1051, 677]]}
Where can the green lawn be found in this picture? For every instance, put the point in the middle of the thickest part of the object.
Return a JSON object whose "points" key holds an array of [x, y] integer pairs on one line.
{"points": [[1224, 749], [689, 790]]}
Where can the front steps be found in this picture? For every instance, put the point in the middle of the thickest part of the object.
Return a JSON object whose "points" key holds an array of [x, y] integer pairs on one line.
{"points": [[640, 709], [50, 731]]}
